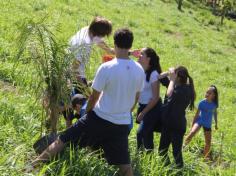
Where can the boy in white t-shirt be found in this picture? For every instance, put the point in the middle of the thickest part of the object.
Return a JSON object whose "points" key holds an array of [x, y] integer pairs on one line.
{"points": [[116, 87], [81, 43]]}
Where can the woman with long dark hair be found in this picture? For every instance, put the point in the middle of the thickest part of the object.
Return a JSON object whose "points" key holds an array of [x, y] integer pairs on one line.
{"points": [[181, 94], [149, 100]]}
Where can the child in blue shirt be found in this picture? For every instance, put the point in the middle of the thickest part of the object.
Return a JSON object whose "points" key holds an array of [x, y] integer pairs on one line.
{"points": [[207, 108], [77, 110]]}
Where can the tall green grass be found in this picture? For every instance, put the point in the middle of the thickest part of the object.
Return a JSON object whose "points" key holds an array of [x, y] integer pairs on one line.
{"points": [[192, 38]]}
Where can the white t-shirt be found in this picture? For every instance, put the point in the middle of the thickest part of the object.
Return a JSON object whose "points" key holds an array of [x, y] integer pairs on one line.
{"points": [[118, 81], [146, 95], [81, 46]]}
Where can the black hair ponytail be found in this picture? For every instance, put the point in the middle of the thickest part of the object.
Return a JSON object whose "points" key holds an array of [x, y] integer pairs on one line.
{"points": [[216, 99], [154, 63], [193, 93], [183, 77]]}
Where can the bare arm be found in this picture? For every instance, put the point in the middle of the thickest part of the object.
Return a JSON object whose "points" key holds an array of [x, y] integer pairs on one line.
{"points": [[109, 50], [92, 100], [152, 102], [106, 48], [195, 116], [173, 76], [215, 117], [170, 88]]}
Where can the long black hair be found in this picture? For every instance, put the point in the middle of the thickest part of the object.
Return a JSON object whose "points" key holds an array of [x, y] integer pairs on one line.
{"points": [[216, 99], [154, 63], [183, 77]]}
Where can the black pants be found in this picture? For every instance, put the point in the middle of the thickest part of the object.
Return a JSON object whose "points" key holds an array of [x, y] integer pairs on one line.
{"points": [[176, 139], [147, 126]]}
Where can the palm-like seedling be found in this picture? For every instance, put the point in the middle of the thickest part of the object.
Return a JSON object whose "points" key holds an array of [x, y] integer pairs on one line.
{"points": [[38, 45]]}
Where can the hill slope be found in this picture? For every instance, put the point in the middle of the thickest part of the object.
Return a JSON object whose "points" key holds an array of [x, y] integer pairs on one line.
{"points": [[192, 38]]}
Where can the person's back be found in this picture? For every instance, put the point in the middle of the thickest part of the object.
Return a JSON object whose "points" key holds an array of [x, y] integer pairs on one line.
{"points": [[122, 79], [181, 94], [176, 106], [116, 86]]}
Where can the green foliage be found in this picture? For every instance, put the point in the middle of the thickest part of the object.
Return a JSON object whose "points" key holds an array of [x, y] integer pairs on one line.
{"points": [[179, 38], [50, 60]]}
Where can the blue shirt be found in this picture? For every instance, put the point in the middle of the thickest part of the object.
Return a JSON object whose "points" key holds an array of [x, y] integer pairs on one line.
{"points": [[206, 112], [83, 109]]}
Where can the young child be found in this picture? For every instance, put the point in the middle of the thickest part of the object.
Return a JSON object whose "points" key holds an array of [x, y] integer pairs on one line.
{"points": [[78, 103], [181, 94], [203, 118]]}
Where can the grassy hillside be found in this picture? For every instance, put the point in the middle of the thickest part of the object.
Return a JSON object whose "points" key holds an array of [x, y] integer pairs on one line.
{"points": [[192, 38]]}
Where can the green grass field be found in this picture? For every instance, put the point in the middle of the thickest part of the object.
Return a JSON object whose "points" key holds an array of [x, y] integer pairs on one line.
{"points": [[192, 38]]}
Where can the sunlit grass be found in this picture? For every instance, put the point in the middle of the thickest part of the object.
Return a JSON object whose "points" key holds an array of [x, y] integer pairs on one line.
{"points": [[192, 38]]}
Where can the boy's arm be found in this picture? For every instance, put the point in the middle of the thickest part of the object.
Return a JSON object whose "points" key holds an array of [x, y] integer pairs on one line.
{"points": [[195, 117], [92, 100], [109, 50], [215, 117], [106, 48]]}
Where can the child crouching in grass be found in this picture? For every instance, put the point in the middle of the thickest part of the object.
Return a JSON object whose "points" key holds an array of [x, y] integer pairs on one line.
{"points": [[203, 118], [78, 103]]}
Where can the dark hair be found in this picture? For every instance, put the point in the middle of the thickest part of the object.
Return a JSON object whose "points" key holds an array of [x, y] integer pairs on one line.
{"points": [[183, 76], [123, 38], [154, 63], [216, 99], [100, 27], [77, 99]]}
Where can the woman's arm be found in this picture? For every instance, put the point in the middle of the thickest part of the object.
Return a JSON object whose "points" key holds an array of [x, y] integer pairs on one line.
{"points": [[215, 117], [156, 95], [171, 86]]}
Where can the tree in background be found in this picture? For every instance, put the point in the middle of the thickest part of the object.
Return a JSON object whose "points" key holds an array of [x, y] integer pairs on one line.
{"points": [[225, 7], [180, 3]]}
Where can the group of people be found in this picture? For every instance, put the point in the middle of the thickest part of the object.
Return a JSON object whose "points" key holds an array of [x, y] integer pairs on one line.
{"points": [[118, 86]]}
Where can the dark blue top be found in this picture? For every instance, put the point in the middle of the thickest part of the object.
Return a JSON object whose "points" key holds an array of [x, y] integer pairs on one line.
{"points": [[206, 112]]}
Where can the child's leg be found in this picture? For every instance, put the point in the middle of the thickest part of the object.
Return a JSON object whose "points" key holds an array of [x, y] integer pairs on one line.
{"points": [[192, 133], [207, 134]]}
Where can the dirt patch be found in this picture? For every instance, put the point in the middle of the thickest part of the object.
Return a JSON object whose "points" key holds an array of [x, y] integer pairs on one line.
{"points": [[177, 35], [7, 87]]}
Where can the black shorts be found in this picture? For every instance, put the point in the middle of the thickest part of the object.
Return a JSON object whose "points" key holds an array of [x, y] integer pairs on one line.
{"points": [[91, 130], [206, 129]]}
